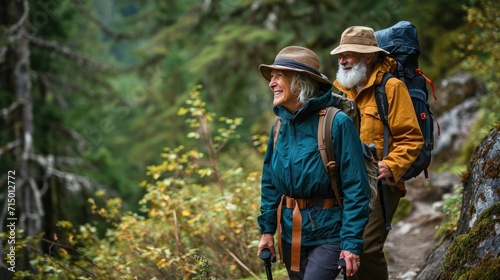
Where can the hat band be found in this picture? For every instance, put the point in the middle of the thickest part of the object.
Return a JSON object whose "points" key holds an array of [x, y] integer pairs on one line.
{"points": [[296, 65]]}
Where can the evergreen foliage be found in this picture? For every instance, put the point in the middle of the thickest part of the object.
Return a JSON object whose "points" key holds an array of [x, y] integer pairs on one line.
{"points": [[479, 51]]}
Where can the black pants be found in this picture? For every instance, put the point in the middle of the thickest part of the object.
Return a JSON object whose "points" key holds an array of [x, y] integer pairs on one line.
{"points": [[316, 263]]}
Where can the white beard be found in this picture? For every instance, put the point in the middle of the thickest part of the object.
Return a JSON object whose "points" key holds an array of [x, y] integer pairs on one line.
{"points": [[354, 77]]}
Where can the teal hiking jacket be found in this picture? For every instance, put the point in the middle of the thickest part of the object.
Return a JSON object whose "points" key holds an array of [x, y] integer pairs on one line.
{"points": [[295, 169]]}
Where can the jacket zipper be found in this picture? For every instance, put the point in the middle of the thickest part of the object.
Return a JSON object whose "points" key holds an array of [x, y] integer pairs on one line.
{"points": [[292, 153]]}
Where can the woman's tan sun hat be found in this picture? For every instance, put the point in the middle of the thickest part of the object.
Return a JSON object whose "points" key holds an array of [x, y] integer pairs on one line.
{"points": [[360, 39], [297, 59]]}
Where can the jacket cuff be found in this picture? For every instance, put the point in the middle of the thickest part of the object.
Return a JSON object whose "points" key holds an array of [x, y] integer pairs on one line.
{"points": [[266, 224], [396, 172], [354, 247]]}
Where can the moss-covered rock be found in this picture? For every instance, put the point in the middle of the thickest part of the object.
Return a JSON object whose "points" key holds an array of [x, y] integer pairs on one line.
{"points": [[474, 255], [472, 251]]}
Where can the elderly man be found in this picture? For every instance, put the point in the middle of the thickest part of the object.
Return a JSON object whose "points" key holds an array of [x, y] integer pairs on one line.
{"points": [[362, 65]]}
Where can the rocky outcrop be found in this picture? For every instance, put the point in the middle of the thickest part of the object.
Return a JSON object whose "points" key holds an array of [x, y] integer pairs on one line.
{"points": [[455, 90], [473, 251], [456, 109]]}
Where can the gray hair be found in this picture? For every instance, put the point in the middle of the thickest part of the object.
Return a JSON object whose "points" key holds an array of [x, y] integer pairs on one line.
{"points": [[306, 87]]}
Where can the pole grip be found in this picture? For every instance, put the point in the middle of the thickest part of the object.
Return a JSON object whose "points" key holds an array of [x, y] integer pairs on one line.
{"points": [[267, 257]]}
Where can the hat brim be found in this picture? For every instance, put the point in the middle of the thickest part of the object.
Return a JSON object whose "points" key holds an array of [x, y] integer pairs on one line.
{"points": [[265, 71], [357, 48]]}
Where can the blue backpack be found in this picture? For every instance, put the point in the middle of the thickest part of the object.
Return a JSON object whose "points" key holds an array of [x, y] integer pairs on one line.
{"points": [[401, 41]]}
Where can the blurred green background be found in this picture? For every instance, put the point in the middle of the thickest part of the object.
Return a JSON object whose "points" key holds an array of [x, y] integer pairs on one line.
{"points": [[90, 93]]}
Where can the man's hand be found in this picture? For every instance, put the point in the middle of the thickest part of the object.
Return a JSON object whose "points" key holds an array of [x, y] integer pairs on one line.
{"points": [[384, 172], [352, 262]]}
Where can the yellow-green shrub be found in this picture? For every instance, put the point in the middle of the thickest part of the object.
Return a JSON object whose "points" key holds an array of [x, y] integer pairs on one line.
{"points": [[197, 219]]}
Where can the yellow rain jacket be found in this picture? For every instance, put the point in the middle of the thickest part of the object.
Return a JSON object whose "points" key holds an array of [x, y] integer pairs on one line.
{"points": [[406, 140]]}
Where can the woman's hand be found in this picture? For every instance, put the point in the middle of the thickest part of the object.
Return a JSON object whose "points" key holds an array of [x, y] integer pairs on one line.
{"points": [[267, 241], [352, 262]]}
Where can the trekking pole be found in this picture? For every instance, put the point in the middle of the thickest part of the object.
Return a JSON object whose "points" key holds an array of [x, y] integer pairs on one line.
{"points": [[341, 262], [382, 185], [267, 257]]}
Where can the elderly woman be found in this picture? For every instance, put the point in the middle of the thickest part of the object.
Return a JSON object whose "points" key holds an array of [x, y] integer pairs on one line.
{"points": [[297, 199]]}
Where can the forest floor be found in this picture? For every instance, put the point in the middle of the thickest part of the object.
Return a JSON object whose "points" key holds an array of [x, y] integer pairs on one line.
{"points": [[411, 240]]}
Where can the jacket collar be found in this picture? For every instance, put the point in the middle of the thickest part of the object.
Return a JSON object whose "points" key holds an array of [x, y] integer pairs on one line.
{"points": [[311, 107]]}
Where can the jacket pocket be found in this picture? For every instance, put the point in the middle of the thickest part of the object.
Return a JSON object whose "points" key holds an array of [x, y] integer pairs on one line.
{"points": [[372, 128]]}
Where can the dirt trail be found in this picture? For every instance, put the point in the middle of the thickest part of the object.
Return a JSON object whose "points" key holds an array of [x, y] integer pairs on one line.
{"points": [[411, 240]]}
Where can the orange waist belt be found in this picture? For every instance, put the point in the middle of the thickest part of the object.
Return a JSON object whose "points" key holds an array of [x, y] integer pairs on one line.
{"points": [[297, 204]]}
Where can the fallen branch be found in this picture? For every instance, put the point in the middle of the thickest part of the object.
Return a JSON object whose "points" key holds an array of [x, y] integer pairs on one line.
{"points": [[241, 263]]}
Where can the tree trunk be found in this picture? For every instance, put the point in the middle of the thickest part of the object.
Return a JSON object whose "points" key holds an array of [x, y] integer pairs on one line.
{"points": [[26, 212]]}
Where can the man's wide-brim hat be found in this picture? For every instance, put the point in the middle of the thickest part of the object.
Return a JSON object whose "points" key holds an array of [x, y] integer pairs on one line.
{"points": [[360, 39], [297, 59]]}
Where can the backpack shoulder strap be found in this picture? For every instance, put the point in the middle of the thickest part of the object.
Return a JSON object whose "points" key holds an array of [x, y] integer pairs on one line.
{"points": [[381, 98], [383, 110], [276, 131], [326, 117]]}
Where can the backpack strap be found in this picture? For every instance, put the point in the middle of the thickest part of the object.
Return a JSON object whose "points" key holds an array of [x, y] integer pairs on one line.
{"points": [[383, 110], [326, 117], [381, 99]]}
